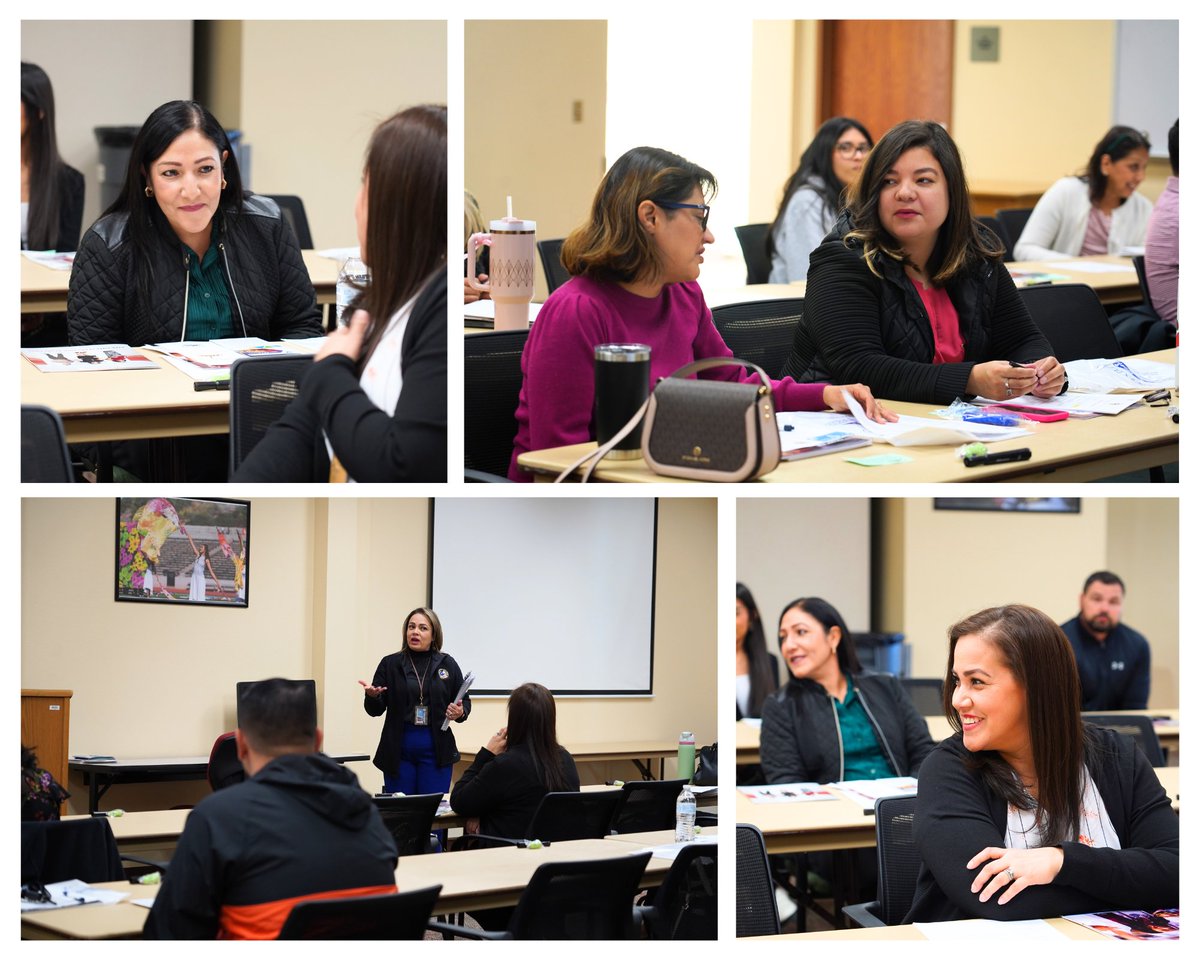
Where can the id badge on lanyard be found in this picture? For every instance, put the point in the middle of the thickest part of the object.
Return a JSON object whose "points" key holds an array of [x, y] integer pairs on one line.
{"points": [[421, 715]]}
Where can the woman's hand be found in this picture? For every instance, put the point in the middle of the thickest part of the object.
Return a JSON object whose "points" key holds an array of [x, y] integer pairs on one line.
{"points": [[862, 393], [472, 825], [470, 294], [1050, 378], [1015, 869], [499, 742], [454, 711], [348, 340], [1000, 380], [370, 690]]}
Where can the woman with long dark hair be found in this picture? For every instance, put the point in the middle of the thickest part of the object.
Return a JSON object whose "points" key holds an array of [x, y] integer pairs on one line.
{"points": [[51, 191], [1097, 212], [1027, 811], [521, 763], [756, 668], [813, 196], [184, 253], [908, 293], [373, 406]]}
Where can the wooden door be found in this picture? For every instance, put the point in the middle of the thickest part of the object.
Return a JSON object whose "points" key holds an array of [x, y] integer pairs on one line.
{"points": [[883, 71]]}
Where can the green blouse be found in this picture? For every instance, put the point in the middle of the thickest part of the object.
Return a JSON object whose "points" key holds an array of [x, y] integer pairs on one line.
{"points": [[209, 316], [864, 756]]}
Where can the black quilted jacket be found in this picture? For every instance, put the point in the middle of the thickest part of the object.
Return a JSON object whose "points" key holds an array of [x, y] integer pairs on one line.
{"points": [[802, 739], [260, 260]]}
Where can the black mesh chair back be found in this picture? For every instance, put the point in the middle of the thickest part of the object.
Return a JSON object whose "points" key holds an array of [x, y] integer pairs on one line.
{"points": [[259, 390], [492, 377], [572, 815], [648, 805], [761, 331], [994, 224], [580, 900], [409, 820], [1014, 220], [1073, 320], [550, 252], [1140, 728], [224, 767], [925, 694], [390, 916], [44, 455], [753, 238], [899, 859], [1139, 264], [55, 850], [757, 912], [685, 906], [292, 209]]}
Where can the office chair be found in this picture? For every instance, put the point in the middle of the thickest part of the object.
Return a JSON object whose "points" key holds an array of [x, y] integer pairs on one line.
{"points": [[1139, 265], [757, 912], [572, 815], [409, 820], [550, 253], [1141, 728], [57, 850], [994, 224], [390, 916], [925, 694], [685, 906], [647, 805], [44, 454], [292, 209], [1071, 317], [761, 331], [259, 390], [573, 900], [1013, 221], [492, 387], [899, 864], [224, 767], [753, 239]]}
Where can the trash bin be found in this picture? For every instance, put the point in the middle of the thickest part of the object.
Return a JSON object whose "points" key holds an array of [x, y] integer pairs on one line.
{"points": [[115, 144], [881, 652]]}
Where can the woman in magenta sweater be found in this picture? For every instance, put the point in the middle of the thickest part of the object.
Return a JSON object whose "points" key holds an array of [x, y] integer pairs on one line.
{"points": [[633, 268]]}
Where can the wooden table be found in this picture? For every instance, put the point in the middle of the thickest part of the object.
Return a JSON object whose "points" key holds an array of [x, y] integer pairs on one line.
{"points": [[45, 291], [1118, 286], [1072, 450], [1073, 931]]}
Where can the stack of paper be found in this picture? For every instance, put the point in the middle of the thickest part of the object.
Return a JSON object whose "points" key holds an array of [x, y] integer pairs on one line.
{"points": [[104, 356], [211, 359]]}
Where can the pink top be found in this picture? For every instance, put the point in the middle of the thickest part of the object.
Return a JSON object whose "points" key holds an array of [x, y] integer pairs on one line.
{"points": [[1162, 253], [1095, 237], [947, 338], [555, 408]]}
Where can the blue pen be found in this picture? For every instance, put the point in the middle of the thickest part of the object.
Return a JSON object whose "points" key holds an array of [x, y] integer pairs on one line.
{"points": [[995, 419]]}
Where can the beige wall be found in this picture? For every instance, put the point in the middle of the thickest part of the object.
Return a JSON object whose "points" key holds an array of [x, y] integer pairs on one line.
{"points": [[521, 80], [328, 591]]}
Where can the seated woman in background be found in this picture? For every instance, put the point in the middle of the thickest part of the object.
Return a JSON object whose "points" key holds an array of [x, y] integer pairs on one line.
{"points": [[813, 195], [634, 267], [473, 223], [520, 764], [909, 295], [1097, 212], [51, 191], [41, 795], [757, 670], [373, 405], [184, 253], [1026, 811]]}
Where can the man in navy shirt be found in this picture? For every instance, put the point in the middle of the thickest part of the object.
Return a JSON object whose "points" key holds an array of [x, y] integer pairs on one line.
{"points": [[1113, 660]]}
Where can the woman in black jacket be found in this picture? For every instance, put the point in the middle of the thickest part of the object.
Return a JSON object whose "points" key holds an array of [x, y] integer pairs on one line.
{"points": [[416, 689], [756, 668], [52, 189], [373, 405], [909, 294], [1027, 812]]}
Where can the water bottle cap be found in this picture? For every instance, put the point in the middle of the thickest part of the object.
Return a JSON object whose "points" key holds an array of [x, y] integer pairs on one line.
{"points": [[687, 737], [512, 225]]}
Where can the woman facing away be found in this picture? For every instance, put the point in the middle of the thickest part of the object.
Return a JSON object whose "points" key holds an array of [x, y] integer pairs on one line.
{"points": [[813, 196], [634, 266], [1027, 811], [1097, 212]]}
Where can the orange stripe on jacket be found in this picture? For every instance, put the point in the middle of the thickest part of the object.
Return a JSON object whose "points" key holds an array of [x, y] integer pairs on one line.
{"points": [[263, 921]]}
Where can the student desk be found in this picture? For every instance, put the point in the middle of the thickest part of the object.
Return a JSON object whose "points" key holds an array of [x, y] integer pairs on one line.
{"points": [[1119, 286], [641, 753], [45, 291], [1073, 931], [1072, 450]]}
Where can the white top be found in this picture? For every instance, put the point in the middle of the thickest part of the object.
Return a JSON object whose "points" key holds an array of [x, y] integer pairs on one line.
{"points": [[803, 226], [1057, 225], [1095, 827], [743, 693], [24, 223]]}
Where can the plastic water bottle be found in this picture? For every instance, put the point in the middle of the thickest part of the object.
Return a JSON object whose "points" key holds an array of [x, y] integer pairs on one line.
{"points": [[685, 815], [351, 279]]}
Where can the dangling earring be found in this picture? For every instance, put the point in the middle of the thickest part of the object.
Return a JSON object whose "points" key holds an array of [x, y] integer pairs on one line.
{"points": [[149, 192], [224, 183]]}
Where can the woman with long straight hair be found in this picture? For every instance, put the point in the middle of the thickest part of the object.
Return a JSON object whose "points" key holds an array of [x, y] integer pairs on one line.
{"points": [[756, 668], [373, 406], [51, 190], [1027, 811]]}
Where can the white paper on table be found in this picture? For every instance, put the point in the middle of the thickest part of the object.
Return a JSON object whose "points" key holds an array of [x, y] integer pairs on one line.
{"points": [[1090, 266], [670, 851], [755, 722], [866, 792], [146, 902], [340, 254], [306, 344], [988, 931], [258, 347], [73, 893], [67, 359], [1076, 404], [812, 433], [50, 258], [786, 793], [924, 431], [1119, 376]]}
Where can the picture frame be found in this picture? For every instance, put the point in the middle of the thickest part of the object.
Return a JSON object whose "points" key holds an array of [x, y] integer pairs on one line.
{"points": [[1010, 504]]}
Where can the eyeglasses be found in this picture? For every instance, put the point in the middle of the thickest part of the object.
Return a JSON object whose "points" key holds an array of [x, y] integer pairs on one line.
{"points": [[848, 149], [672, 205]]}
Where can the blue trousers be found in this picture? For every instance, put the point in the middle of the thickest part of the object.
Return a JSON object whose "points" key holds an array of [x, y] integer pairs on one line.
{"points": [[419, 772]]}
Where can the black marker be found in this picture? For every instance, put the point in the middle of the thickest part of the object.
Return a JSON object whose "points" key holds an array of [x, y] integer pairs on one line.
{"points": [[1008, 456], [211, 385]]}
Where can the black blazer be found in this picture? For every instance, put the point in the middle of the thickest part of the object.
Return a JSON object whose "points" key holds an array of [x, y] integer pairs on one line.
{"points": [[504, 791], [445, 679]]}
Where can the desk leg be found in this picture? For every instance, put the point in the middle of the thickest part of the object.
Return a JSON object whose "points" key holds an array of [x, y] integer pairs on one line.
{"points": [[644, 768]]}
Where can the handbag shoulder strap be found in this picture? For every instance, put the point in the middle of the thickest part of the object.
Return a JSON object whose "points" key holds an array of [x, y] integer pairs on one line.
{"points": [[696, 366]]}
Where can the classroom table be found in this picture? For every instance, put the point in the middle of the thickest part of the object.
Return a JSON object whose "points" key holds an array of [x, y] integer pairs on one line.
{"points": [[1118, 286], [1072, 450], [1073, 931], [470, 880], [45, 291], [641, 753]]}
